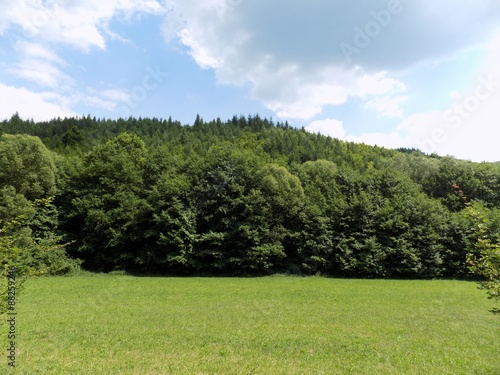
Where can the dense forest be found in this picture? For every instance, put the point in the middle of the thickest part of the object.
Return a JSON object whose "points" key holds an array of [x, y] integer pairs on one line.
{"points": [[246, 196]]}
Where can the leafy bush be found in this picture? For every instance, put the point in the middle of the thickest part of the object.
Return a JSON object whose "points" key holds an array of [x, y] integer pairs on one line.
{"points": [[30, 257], [484, 251], [484, 256]]}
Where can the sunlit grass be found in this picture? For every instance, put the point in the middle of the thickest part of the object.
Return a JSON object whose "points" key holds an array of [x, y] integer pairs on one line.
{"points": [[273, 325]]}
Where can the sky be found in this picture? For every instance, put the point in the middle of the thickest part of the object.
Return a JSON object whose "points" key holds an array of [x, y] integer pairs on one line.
{"points": [[394, 73]]}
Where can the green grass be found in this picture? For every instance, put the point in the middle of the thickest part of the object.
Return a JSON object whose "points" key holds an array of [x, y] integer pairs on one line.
{"points": [[274, 325]]}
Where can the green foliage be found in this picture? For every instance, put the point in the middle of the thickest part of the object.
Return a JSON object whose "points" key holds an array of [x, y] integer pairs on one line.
{"points": [[108, 204], [28, 219], [315, 240], [27, 165], [72, 137], [283, 192], [245, 196], [484, 256], [235, 233], [9, 257], [170, 235], [29, 256], [390, 228], [14, 206]]}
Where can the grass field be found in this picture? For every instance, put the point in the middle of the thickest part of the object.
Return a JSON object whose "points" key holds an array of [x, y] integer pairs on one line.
{"points": [[275, 325]]}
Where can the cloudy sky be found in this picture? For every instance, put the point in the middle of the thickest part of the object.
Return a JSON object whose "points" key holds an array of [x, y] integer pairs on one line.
{"points": [[396, 73]]}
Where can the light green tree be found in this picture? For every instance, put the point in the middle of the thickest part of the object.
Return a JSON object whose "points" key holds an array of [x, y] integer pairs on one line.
{"points": [[27, 165], [484, 256]]}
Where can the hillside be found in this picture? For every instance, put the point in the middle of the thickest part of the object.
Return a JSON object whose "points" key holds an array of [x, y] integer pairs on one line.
{"points": [[245, 196]]}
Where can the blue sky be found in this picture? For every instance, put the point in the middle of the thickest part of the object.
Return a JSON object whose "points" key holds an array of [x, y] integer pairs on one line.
{"points": [[396, 73]]}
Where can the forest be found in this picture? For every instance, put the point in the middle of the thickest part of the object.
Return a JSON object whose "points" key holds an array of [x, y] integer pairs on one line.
{"points": [[242, 197]]}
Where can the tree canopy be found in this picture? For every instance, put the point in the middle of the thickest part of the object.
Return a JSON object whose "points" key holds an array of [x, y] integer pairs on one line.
{"points": [[242, 197]]}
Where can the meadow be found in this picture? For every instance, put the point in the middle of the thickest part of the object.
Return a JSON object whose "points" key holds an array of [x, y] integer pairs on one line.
{"points": [[118, 324]]}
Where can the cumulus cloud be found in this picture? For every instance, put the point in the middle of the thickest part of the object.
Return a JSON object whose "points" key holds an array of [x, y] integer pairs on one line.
{"points": [[330, 127], [81, 24], [297, 67], [293, 54], [39, 106], [36, 30], [109, 99], [387, 106], [468, 129], [45, 105]]}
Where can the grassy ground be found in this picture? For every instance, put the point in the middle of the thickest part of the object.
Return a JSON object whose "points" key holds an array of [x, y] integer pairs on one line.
{"points": [[275, 325]]}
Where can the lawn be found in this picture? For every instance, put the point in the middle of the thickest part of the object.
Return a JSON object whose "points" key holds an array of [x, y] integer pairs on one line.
{"points": [[115, 324]]}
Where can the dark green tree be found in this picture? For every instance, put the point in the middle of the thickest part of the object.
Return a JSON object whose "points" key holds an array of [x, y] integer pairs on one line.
{"points": [[108, 205]]}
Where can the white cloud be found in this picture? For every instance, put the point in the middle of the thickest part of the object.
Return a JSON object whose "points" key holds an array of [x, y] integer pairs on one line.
{"points": [[301, 100], [80, 24], [201, 54], [492, 64], [40, 106], [117, 95], [377, 84], [296, 71], [330, 127], [471, 137], [387, 106], [389, 140], [42, 73], [173, 24], [106, 99], [289, 54], [39, 64], [45, 26], [37, 51], [291, 95], [468, 129], [45, 105]]}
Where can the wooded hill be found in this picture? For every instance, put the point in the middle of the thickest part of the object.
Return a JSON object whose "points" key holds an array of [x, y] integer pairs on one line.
{"points": [[245, 196]]}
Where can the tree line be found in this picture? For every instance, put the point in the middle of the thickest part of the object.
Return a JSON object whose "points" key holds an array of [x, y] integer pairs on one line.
{"points": [[245, 196]]}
